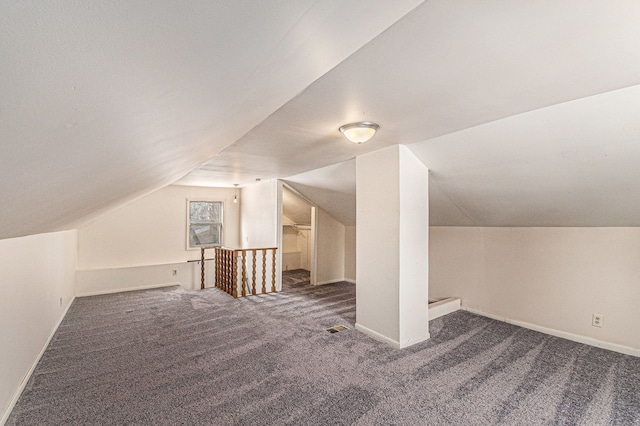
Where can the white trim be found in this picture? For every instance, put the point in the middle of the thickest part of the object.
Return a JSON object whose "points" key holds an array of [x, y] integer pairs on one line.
{"points": [[121, 290], [563, 334], [25, 380], [384, 339], [349, 280], [379, 337], [443, 307]]}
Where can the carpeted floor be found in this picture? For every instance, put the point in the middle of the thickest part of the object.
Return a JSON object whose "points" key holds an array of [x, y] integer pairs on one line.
{"points": [[295, 278], [169, 356]]}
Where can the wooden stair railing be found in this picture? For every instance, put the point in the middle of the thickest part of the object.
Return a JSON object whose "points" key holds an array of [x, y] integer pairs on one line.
{"points": [[241, 282]]}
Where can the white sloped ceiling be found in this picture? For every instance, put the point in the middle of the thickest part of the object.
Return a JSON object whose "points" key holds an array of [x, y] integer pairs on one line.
{"points": [[104, 101], [523, 111]]}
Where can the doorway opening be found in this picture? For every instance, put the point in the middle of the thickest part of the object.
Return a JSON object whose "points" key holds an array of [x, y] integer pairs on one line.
{"points": [[298, 240]]}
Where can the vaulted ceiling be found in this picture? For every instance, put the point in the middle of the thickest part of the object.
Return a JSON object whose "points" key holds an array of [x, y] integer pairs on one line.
{"points": [[525, 112], [102, 102]]}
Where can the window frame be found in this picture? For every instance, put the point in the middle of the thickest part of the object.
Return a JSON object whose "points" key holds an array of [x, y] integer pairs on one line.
{"points": [[188, 223]]}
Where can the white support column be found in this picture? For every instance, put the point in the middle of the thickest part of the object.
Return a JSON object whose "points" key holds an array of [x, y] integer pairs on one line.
{"points": [[392, 245]]}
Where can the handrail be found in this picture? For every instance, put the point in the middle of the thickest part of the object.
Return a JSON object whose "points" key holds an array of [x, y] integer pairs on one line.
{"points": [[228, 277]]}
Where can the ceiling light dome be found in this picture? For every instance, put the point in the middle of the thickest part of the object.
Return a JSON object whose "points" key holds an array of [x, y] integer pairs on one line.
{"points": [[359, 132]]}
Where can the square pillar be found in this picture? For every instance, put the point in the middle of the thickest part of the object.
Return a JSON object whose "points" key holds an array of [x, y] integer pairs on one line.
{"points": [[392, 246]]}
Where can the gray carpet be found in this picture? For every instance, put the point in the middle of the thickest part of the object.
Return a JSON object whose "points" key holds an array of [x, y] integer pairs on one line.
{"points": [[169, 356]]}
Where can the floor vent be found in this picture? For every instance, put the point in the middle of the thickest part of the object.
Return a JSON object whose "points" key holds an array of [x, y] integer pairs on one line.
{"points": [[337, 328]]}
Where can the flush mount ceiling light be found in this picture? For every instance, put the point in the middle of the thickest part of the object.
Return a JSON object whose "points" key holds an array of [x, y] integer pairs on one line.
{"points": [[359, 132]]}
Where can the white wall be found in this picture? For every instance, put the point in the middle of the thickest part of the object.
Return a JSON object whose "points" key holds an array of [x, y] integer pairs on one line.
{"points": [[112, 280], [260, 216], [295, 247], [377, 295], [350, 253], [413, 248], [151, 230], [330, 249], [291, 255], [392, 212], [550, 278], [37, 288], [289, 239], [261, 222], [142, 243]]}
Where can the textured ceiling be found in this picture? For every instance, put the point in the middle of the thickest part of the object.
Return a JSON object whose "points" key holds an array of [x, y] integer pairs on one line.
{"points": [[523, 111], [103, 102]]}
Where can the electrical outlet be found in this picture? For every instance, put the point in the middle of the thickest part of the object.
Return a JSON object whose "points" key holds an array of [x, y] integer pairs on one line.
{"points": [[175, 272], [597, 320]]}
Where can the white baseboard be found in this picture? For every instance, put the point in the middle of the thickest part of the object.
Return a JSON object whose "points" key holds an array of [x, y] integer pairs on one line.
{"points": [[349, 280], [412, 342], [379, 337], [443, 307], [384, 339], [25, 380], [120, 290], [563, 334]]}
